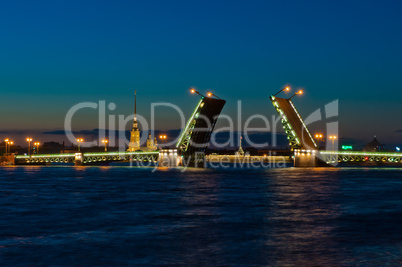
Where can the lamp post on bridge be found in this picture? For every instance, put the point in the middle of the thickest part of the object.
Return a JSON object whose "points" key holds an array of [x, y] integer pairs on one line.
{"points": [[37, 147], [79, 140], [300, 92], [286, 89], [333, 138], [193, 91], [105, 141], [162, 137], [6, 143], [210, 94], [29, 140], [319, 138], [9, 145]]}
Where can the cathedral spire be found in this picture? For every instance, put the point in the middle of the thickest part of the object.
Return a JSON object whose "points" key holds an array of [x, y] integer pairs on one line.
{"points": [[135, 125], [134, 144], [240, 151], [135, 105]]}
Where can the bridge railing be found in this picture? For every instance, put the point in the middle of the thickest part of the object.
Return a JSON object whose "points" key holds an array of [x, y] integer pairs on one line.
{"points": [[362, 156], [361, 153], [65, 155], [117, 153]]}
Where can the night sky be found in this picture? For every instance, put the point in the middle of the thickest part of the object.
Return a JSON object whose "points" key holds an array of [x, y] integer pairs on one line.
{"points": [[55, 54]]}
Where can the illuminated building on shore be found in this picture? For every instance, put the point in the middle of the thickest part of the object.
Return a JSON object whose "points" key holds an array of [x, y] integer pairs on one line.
{"points": [[135, 137]]}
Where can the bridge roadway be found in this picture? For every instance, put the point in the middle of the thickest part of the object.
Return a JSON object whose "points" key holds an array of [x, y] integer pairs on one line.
{"points": [[151, 157], [354, 157], [88, 158], [154, 157]]}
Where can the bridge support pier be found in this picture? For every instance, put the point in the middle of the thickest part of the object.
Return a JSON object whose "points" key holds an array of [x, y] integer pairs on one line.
{"points": [[169, 158], [78, 159], [305, 158]]}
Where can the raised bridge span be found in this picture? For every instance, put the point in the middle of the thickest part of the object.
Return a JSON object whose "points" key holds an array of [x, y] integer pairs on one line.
{"points": [[306, 150], [195, 137], [189, 150], [296, 130]]}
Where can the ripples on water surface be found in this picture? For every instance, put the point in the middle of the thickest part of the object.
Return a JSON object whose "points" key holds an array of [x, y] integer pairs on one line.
{"points": [[133, 216]]}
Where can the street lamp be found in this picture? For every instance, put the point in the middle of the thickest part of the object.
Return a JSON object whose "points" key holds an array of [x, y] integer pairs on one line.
{"points": [[286, 89], [162, 137], [210, 94], [29, 140], [319, 138], [9, 145], [300, 92], [105, 141], [37, 147], [79, 141], [333, 138], [193, 91], [6, 143]]}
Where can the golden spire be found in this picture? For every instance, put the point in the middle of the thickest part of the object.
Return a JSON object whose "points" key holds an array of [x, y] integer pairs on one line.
{"points": [[135, 105], [135, 124]]}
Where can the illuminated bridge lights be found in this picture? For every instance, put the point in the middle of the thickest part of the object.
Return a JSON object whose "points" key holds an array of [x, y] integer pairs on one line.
{"points": [[187, 128], [92, 157], [125, 153], [294, 140], [302, 121], [91, 154], [357, 156], [305, 151], [144, 156], [46, 156], [332, 157], [362, 153]]}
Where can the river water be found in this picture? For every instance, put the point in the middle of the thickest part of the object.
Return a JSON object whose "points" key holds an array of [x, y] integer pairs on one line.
{"points": [[63, 216]]}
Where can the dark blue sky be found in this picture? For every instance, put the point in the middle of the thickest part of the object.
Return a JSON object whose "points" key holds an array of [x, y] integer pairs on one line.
{"points": [[55, 54]]}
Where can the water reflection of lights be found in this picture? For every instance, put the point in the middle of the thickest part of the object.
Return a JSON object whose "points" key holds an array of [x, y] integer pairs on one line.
{"points": [[302, 209]]}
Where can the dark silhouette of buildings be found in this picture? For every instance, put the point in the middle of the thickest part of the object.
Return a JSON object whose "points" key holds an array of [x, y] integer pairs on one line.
{"points": [[374, 146]]}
